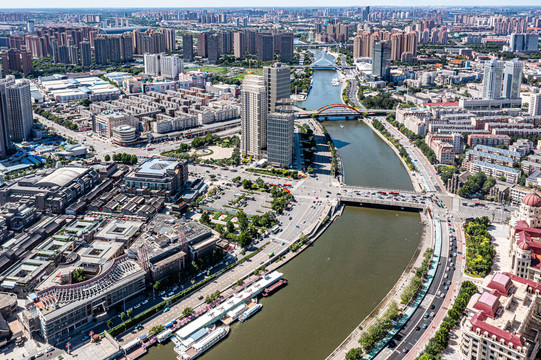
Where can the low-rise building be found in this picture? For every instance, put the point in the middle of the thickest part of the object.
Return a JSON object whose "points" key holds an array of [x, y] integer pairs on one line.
{"points": [[511, 175], [51, 191], [503, 321], [163, 176], [488, 140]]}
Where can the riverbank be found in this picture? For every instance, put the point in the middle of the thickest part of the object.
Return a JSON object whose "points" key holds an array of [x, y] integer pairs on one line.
{"points": [[414, 181], [394, 295]]}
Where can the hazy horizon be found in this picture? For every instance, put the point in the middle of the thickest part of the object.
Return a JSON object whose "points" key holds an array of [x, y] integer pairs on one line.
{"points": [[170, 4]]}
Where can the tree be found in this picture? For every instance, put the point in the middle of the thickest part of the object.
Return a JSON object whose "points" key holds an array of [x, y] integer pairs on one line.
{"points": [[123, 316], [78, 275], [157, 285], [110, 324], [107, 157], [354, 354], [187, 311], [243, 220], [205, 218], [230, 227], [156, 330], [130, 313], [310, 170]]}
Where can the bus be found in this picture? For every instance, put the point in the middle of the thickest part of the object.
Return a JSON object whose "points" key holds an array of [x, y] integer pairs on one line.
{"points": [[382, 193], [479, 204], [394, 193], [271, 254]]}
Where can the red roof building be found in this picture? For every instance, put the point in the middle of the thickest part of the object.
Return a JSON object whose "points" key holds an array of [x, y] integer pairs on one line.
{"points": [[503, 322]]}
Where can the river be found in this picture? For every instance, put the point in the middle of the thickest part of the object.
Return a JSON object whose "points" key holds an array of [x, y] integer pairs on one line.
{"points": [[335, 283]]}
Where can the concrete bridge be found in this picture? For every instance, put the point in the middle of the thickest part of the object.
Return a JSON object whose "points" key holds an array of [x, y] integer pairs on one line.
{"points": [[384, 198]]}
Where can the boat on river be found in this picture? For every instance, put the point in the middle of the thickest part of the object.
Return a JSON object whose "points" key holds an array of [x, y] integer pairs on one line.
{"points": [[203, 344], [274, 287], [250, 312]]}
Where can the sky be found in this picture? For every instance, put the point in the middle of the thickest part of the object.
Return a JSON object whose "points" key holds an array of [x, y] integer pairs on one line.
{"points": [[254, 3]]}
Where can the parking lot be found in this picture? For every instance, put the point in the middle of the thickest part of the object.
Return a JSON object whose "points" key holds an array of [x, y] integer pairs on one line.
{"points": [[233, 198]]}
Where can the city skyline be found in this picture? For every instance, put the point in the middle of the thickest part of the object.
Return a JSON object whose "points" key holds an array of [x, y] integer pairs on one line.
{"points": [[218, 4]]}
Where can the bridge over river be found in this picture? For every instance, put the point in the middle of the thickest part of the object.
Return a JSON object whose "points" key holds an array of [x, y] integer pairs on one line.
{"points": [[377, 197]]}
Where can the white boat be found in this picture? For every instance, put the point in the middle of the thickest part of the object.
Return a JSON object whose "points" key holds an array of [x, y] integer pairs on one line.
{"points": [[202, 345], [250, 312], [342, 126], [335, 82]]}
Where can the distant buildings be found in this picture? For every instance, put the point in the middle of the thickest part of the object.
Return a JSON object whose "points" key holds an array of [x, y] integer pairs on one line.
{"points": [[523, 42], [168, 66], [187, 47]]}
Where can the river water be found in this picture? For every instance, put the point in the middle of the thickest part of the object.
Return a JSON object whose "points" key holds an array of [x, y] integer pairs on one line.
{"points": [[335, 283]]}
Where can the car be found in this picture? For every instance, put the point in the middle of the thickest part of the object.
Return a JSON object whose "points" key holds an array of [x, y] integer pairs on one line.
{"points": [[446, 287], [49, 349], [432, 314], [85, 338], [405, 350], [427, 315], [425, 325], [418, 328], [200, 297], [432, 306], [166, 310], [145, 301], [138, 327]]}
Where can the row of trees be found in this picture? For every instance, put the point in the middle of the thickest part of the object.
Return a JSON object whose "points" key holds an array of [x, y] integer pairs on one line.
{"points": [[380, 328], [418, 140], [420, 275], [479, 248], [401, 149], [439, 342], [122, 158], [64, 122]]}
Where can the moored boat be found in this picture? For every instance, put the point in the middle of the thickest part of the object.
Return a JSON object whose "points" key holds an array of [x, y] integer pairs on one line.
{"points": [[250, 312], [274, 287]]}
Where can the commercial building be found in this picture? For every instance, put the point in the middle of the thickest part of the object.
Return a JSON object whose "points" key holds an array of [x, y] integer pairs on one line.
{"points": [[5, 140], [277, 81], [51, 191], [492, 80], [165, 177], [381, 60], [124, 135], [253, 116], [502, 322], [280, 138], [512, 79], [64, 307], [105, 122]]}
